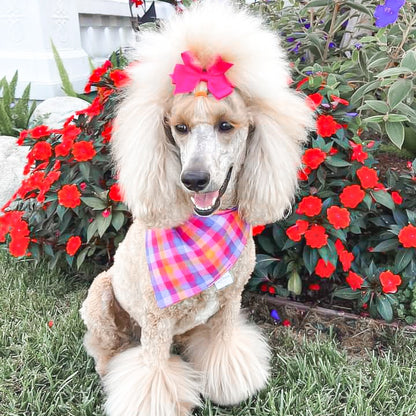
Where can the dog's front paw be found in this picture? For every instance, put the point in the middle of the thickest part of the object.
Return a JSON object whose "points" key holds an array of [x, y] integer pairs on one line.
{"points": [[234, 365], [137, 388]]}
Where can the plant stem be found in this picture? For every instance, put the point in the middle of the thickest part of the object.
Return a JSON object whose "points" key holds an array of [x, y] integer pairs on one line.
{"points": [[331, 30]]}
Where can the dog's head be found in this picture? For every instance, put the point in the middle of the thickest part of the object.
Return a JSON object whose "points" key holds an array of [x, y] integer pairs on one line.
{"points": [[194, 152]]}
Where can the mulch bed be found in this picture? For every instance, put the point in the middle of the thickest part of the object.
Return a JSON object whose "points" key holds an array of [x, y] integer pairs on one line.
{"points": [[355, 334]]}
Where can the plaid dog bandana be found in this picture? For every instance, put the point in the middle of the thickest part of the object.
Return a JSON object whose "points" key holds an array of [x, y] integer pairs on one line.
{"points": [[188, 259]]}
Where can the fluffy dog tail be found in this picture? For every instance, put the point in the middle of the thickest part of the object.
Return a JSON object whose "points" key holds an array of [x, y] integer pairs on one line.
{"points": [[137, 387]]}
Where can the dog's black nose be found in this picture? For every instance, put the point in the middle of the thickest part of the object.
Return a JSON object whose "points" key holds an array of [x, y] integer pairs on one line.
{"points": [[195, 180]]}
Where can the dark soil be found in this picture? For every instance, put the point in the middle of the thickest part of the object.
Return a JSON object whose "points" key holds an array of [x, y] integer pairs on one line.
{"points": [[356, 335], [395, 162]]}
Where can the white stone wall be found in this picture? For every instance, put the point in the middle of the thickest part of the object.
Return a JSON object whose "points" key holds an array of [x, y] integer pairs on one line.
{"points": [[78, 28]]}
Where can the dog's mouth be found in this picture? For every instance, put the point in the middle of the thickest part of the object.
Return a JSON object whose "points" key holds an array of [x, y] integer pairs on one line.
{"points": [[205, 204]]}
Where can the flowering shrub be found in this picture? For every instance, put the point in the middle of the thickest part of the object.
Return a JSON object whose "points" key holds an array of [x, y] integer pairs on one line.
{"points": [[360, 44], [350, 234], [69, 205]]}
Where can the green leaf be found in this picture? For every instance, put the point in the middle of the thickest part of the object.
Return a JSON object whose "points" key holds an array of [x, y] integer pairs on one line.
{"points": [[103, 223], [386, 245], [384, 308], [394, 118], [379, 106], [409, 60], [93, 202], [66, 83], [398, 92], [337, 162], [399, 70], [395, 131], [81, 257], [263, 260], [91, 230], [358, 6], [295, 283], [403, 258], [373, 119], [266, 243], [347, 293], [317, 3], [383, 198], [310, 258], [118, 220], [85, 170]]}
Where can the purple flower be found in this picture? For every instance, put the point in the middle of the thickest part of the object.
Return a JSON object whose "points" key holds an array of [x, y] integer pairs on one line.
{"points": [[274, 315], [351, 114], [388, 12], [332, 45], [290, 39], [358, 46]]}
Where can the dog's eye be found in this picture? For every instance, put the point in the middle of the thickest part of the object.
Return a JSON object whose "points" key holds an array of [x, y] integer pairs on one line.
{"points": [[225, 126], [181, 128]]}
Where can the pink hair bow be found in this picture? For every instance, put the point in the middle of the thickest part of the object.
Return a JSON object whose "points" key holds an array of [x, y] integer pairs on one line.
{"points": [[186, 77]]}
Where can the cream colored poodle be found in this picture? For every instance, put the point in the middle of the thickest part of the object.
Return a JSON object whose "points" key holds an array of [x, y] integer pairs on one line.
{"points": [[208, 128]]}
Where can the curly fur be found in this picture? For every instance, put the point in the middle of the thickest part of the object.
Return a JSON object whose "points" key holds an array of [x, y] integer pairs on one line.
{"points": [[260, 72], [228, 358]]}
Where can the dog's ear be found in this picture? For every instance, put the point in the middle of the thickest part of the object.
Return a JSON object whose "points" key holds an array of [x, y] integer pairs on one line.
{"points": [[268, 179], [147, 163]]}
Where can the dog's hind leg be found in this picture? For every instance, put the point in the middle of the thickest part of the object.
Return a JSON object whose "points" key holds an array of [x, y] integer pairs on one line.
{"points": [[109, 328], [232, 355]]}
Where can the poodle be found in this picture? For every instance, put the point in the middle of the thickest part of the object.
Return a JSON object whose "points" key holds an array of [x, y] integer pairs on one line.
{"points": [[207, 143]]}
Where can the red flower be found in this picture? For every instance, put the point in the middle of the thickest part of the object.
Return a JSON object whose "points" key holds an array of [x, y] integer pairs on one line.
{"points": [[70, 132], [316, 236], [314, 287], [22, 136], [337, 100], [50, 324], [396, 197], [303, 173], [407, 236], [358, 153], [18, 246], [73, 244], [106, 133], [310, 206], [338, 217], [63, 148], [326, 126], [40, 131], [258, 229], [272, 290], [389, 281], [106, 213], [263, 287], [296, 231], [93, 110], [137, 3], [313, 158], [368, 177], [346, 258], [69, 196], [314, 100], [83, 151], [351, 196], [333, 151], [120, 78], [324, 269], [41, 151], [339, 247], [301, 82], [354, 280], [286, 323]]}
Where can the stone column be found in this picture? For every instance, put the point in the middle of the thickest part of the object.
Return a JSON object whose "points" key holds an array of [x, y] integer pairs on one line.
{"points": [[26, 29]]}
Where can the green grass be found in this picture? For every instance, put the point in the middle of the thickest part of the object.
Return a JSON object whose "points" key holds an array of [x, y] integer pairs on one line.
{"points": [[45, 371]]}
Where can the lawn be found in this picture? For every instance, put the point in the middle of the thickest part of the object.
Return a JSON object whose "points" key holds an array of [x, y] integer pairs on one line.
{"points": [[45, 371]]}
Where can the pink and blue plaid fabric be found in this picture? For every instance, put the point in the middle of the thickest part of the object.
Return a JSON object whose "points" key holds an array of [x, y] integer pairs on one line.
{"points": [[188, 259]]}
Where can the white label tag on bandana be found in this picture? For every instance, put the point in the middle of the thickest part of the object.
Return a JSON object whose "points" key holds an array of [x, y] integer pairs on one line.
{"points": [[225, 280]]}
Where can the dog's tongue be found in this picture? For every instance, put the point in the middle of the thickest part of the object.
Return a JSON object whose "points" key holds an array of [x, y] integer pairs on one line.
{"points": [[206, 200]]}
